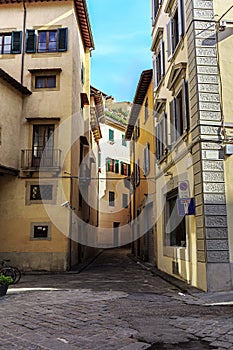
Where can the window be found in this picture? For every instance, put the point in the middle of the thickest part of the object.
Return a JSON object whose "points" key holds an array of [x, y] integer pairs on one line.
{"points": [[40, 230], [137, 129], [175, 225], [41, 192], [10, 43], [155, 7], [111, 135], [137, 173], [146, 111], [125, 169], [175, 28], [159, 63], [146, 160], [125, 200], [37, 193], [116, 166], [161, 136], [179, 113], [42, 82], [111, 198], [46, 40], [123, 142], [43, 136]]}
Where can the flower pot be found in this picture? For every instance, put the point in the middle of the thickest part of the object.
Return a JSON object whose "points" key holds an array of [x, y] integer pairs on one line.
{"points": [[3, 289]]}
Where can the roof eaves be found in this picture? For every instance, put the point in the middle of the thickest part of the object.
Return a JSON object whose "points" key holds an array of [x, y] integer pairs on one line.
{"points": [[143, 84], [10, 80]]}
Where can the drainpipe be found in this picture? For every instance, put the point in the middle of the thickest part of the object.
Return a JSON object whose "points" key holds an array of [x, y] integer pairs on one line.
{"points": [[24, 36]]}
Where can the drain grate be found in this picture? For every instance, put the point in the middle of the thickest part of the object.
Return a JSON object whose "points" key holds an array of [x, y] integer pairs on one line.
{"points": [[193, 344]]}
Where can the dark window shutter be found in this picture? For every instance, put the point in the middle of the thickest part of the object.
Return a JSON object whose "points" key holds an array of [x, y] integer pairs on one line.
{"points": [[162, 58], [185, 105], [180, 18], [31, 41], [169, 43], [157, 141], [62, 39], [16, 42], [165, 140], [172, 120]]}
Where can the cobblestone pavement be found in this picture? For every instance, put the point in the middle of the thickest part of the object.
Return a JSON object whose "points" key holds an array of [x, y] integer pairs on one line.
{"points": [[114, 304]]}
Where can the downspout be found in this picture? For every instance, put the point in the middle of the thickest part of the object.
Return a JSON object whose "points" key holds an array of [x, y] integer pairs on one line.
{"points": [[24, 36]]}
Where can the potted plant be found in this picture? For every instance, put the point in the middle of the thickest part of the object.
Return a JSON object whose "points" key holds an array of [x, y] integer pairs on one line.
{"points": [[4, 283]]}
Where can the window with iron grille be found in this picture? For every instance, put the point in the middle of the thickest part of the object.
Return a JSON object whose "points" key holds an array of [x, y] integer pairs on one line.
{"points": [[40, 231], [41, 192]]}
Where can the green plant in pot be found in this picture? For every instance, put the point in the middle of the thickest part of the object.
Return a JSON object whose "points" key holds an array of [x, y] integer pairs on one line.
{"points": [[4, 283]]}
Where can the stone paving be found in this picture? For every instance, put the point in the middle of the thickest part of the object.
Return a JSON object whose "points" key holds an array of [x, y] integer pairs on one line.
{"points": [[114, 304]]}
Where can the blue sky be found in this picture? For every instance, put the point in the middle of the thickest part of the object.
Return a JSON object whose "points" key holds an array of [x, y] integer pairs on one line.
{"points": [[122, 36]]}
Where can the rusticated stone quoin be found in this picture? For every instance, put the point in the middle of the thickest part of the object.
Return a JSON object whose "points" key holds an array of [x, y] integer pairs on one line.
{"points": [[210, 197]]}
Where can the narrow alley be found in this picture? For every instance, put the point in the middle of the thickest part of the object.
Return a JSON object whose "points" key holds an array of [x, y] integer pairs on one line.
{"points": [[113, 304]]}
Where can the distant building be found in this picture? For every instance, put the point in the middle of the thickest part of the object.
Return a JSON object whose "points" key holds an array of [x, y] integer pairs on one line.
{"points": [[114, 169], [140, 131]]}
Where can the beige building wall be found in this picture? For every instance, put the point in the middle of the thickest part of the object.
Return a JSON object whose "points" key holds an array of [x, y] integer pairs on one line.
{"points": [[62, 108]]}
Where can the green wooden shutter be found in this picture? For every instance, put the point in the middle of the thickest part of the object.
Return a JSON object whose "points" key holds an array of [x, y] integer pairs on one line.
{"points": [[62, 40], [31, 41], [111, 135], [16, 42]]}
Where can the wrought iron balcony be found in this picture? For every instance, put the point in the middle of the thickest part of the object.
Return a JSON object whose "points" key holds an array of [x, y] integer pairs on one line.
{"points": [[40, 158]]}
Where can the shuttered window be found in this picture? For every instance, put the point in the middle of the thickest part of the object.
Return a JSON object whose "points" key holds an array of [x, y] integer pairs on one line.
{"points": [[31, 41], [159, 63], [179, 113], [10, 43], [47, 40], [16, 42], [146, 161], [175, 28]]}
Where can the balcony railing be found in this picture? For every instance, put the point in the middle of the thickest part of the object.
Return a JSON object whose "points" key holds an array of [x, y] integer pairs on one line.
{"points": [[40, 158]]}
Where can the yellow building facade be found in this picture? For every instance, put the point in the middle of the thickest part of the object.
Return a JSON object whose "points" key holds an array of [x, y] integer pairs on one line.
{"points": [[45, 47], [140, 131], [191, 45]]}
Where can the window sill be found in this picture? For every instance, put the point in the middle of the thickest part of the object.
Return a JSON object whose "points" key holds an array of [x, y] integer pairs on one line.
{"points": [[46, 54], [7, 56]]}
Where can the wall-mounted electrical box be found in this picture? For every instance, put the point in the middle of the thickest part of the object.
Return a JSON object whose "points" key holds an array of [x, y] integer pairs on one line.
{"points": [[228, 149]]}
